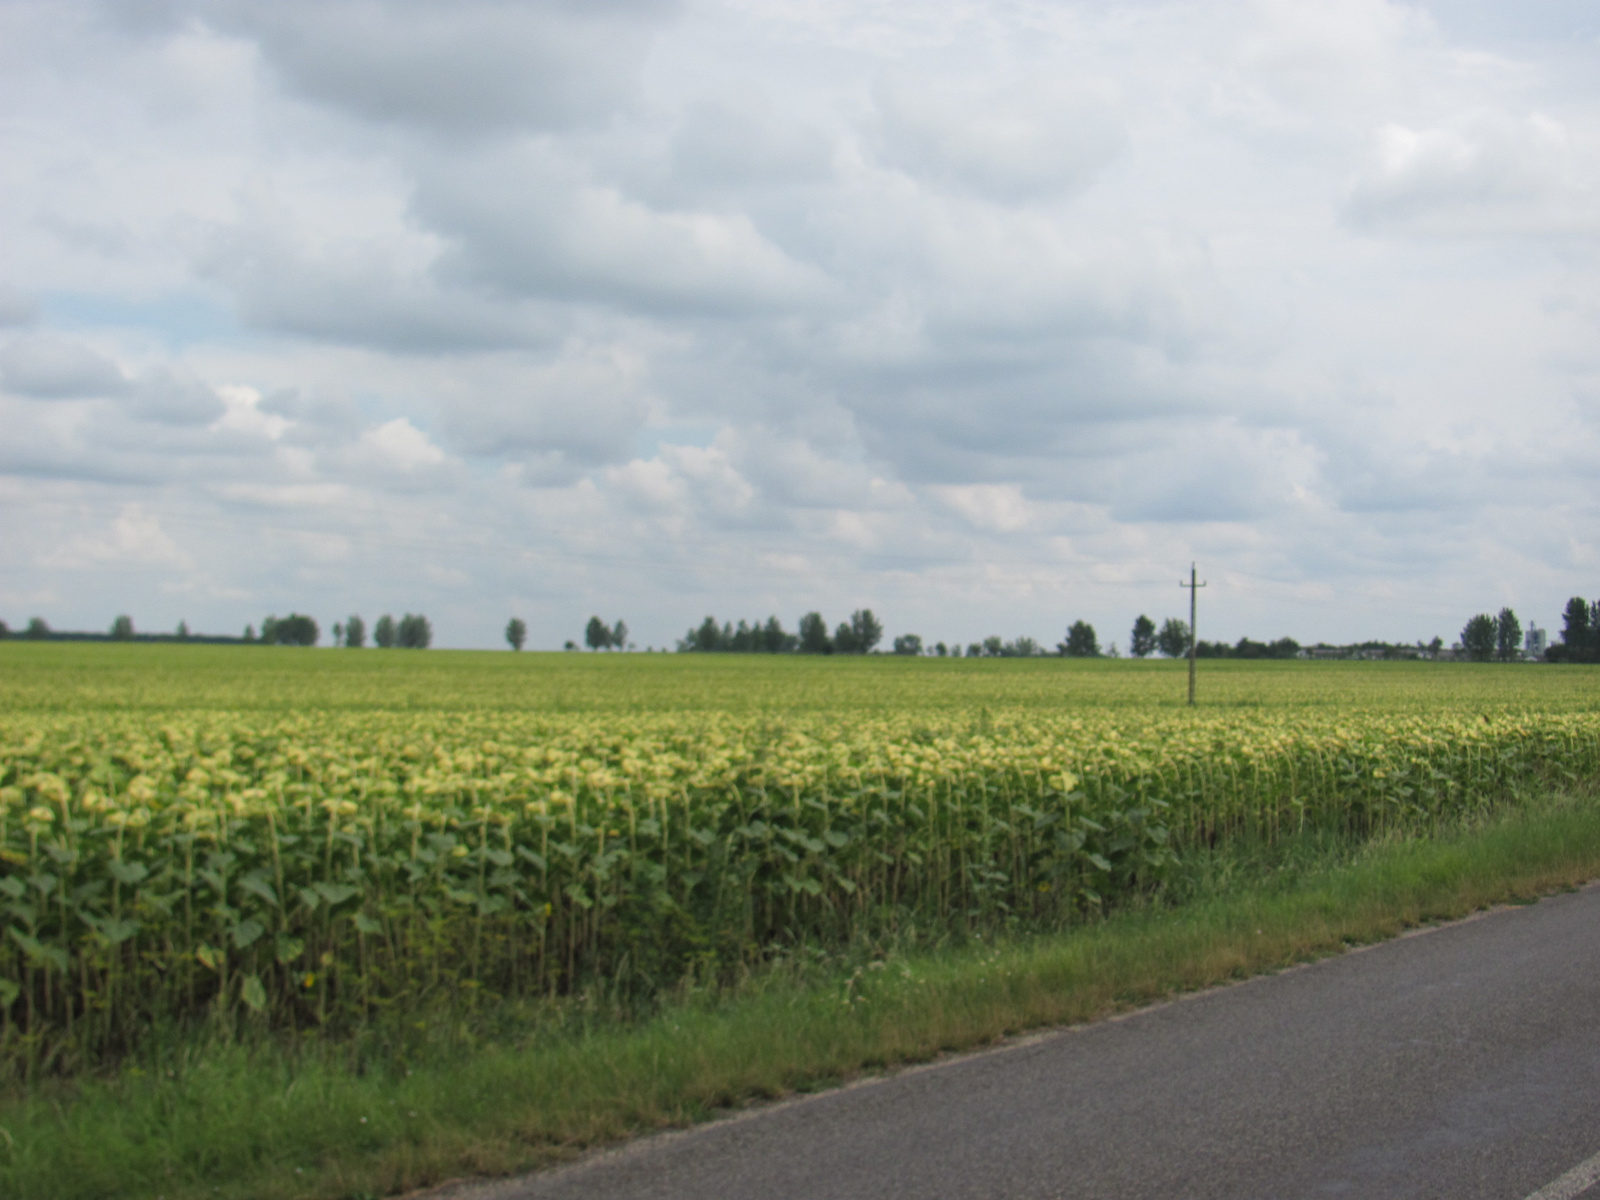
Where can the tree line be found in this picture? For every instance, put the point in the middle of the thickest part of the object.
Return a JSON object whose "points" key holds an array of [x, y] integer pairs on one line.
{"points": [[411, 632], [859, 635], [1580, 633]]}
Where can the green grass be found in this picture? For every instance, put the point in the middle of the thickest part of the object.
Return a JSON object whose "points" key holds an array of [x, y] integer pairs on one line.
{"points": [[220, 1118]]}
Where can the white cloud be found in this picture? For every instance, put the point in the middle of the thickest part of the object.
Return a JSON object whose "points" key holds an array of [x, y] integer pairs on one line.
{"points": [[982, 315], [998, 507], [1483, 173], [400, 444], [135, 538], [242, 413]]}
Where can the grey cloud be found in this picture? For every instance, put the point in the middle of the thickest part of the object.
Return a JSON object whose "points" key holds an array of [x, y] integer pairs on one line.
{"points": [[1012, 143], [577, 412], [532, 226], [173, 397], [1209, 474], [724, 146], [456, 67], [50, 367], [943, 313], [315, 415], [356, 292], [16, 309]]}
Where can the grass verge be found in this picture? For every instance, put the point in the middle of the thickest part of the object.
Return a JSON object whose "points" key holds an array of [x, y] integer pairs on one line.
{"points": [[234, 1121]]}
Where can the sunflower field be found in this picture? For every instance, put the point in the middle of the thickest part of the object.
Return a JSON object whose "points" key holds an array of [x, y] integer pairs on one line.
{"points": [[314, 868]]}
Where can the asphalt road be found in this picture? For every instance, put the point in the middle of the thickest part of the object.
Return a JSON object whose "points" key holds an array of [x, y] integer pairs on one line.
{"points": [[1462, 1063]]}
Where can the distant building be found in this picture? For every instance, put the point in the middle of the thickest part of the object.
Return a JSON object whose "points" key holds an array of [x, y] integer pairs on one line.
{"points": [[1535, 642]]}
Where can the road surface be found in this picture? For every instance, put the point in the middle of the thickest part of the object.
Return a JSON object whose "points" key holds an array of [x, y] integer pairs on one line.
{"points": [[1462, 1063]]}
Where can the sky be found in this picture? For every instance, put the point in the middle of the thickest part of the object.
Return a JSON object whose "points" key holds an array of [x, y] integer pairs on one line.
{"points": [[990, 316]]}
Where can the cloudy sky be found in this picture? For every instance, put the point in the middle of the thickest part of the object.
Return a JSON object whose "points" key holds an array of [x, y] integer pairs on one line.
{"points": [[987, 315]]}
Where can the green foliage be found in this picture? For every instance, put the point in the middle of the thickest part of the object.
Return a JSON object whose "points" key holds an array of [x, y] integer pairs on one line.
{"points": [[1142, 641], [859, 635], [38, 628], [1508, 636], [516, 632], [597, 634], [1248, 648], [1081, 641], [908, 644], [497, 1085], [384, 635], [1580, 633], [745, 638], [1173, 640], [293, 630], [814, 637], [1478, 638], [316, 867], [355, 632], [122, 629], [414, 632]]}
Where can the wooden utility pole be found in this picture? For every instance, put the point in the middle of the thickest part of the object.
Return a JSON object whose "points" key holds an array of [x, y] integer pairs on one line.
{"points": [[1194, 591]]}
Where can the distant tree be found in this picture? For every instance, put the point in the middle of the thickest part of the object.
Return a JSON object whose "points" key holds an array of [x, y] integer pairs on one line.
{"points": [[1436, 645], [814, 637], [1081, 641], [1022, 647], [38, 628], [183, 629], [296, 629], [355, 632], [1577, 632], [619, 635], [597, 634], [5, 630], [338, 634], [776, 640], [1248, 648], [570, 645], [974, 650], [414, 632], [122, 629], [707, 639], [1142, 641], [1173, 640], [516, 632], [293, 630], [249, 633], [908, 644], [384, 635], [1507, 636], [868, 630], [941, 649], [1478, 637], [994, 647]]}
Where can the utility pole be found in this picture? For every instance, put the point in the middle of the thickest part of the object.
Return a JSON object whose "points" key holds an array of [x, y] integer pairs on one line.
{"points": [[1194, 591]]}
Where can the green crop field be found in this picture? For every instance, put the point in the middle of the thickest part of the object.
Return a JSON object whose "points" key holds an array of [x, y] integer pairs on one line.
{"points": [[304, 839]]}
